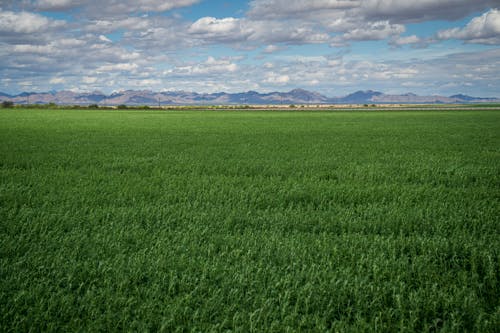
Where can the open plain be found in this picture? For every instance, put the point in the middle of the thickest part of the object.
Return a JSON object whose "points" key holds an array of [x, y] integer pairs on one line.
{"points": [[249, 221]]}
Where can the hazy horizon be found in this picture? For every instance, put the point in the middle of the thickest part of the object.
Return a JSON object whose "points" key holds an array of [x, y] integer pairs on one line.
{"points": [[224, 92]]}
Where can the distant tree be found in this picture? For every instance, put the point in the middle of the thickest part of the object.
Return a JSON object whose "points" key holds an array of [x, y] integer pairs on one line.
{"points": [[93, 106], [121, 106], [292, 106], [7, 104]]}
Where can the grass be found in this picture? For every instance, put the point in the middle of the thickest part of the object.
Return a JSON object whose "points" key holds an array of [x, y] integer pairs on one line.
{"points": [[185, 221]]}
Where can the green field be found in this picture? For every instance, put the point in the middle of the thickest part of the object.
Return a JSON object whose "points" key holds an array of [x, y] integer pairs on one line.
{"points": [[201, 221]]}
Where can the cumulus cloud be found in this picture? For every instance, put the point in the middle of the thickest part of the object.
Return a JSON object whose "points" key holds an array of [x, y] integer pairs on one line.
{"points": [[105, 39], [33, 49], [209, 67], [226, 29], [407, 40], [57, 80], [123, 67], [273, 48], [276, 79], [89, 79], [374, 31], [211, 25], [110, 25], [274, 32], [57, 4], [105, 8], [422, 10], [358, 20], [430, 76], [25, 23], [296, 8], [152, 5], [255, 32], [114, 44], [160, 36], [484, 29], [394, 10]]}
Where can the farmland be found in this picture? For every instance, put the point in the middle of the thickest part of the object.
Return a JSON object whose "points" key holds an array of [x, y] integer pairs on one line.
{"points": [[249, 221]]}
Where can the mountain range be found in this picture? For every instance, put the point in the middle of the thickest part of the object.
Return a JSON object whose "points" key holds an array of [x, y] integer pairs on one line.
{"points": [[296, 96]]}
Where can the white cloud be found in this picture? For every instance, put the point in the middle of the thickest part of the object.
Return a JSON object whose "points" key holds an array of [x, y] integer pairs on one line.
{"points": [[273, 48], [124, 67], [255, 32], [106, 8], [57, 80], [375, 10], [211, 25], [56, 4], [214, 66], [335, 62], [352, 20], [151, 49], [303, 59], [25, 83], [147, 82], [35, 49], [54, 48], [25, 23], [374, 31], [484, 29], [105, 39], [69, 42], [422, 10], [225, 29], [277, 79], [161, 35], [408, 40], [156, 5], [276, 32], [210, 67], [89, 79], [292, 8], [110, 25]]}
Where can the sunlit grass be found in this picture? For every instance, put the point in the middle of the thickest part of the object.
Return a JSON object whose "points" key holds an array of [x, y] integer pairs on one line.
{"points": [[249, 221]]}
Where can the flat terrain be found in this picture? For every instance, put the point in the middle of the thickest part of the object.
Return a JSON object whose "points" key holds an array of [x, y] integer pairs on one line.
{"points": [[200, 221]]}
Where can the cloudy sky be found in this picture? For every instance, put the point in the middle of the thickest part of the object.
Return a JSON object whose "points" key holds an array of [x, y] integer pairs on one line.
{"points": [[331, 46]]}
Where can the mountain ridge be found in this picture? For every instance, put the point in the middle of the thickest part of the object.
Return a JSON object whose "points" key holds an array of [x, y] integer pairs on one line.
{"points": [[295, 96]]}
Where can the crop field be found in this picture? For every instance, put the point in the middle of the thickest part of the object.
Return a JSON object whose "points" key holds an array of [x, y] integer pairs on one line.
{"points": [[249, 221]]}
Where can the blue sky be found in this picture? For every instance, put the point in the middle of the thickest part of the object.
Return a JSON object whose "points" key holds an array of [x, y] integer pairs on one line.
{"points": [[333, 47]]}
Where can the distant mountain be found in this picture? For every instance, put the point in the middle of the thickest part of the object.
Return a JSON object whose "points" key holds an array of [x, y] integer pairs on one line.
{"points": [[462, 97], [305, 96], [411, 98], [296, 96], [360, 97]]}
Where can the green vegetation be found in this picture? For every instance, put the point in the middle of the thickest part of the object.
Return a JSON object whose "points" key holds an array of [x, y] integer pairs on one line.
{"points": [[183, 221], [483, 105], [7, 104]]}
